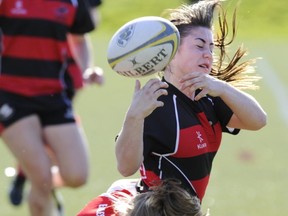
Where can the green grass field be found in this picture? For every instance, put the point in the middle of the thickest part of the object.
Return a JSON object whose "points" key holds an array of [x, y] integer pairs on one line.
{"points": [[250, 175]]}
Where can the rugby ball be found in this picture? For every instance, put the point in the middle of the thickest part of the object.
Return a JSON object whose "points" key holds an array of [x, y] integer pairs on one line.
{"points": [[143, 46]]}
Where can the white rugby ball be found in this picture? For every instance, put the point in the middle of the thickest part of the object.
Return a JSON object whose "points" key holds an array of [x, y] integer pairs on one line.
{"points": [[143, 46]]}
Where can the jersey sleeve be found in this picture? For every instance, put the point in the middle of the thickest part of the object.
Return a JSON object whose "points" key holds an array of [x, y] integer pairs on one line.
{"points": [[107, 203], [101, 205], [83, 21], [224, 114]]}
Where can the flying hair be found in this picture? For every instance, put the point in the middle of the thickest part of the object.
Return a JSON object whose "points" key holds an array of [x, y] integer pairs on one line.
{"points": [[235, 70]]}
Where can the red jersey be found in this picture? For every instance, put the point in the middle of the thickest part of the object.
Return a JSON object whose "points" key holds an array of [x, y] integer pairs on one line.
{"points": [[35, 51]]}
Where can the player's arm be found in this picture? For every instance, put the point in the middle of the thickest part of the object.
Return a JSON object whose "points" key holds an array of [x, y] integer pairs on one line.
{"points": [[248, 114], [81, 48], [129, 144]]}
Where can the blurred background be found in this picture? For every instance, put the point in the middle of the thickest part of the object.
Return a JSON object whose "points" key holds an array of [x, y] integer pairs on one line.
{"points": [[250, 173]]}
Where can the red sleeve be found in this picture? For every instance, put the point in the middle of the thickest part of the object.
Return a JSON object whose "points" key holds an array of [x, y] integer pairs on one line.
{"points": [[101, 205], [104, 204]]}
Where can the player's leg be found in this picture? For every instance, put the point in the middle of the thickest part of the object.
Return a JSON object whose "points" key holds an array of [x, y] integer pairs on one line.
{"points": [[16, 190], [24, 139], [68, 143]]}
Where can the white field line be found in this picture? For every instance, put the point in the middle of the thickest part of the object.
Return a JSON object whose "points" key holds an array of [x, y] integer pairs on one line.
{"points": [[278, 89]]}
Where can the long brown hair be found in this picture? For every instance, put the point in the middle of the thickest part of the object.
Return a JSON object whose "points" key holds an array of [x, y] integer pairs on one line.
{"points": [[166, 199], [234, 70]]}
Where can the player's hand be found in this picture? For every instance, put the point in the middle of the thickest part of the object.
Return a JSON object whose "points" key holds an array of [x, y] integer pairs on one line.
{"points": [[205, 82], [145, 99], [94, 75]]}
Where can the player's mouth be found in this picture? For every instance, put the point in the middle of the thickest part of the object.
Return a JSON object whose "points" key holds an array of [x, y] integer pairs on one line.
{"points": [[205, 66]]}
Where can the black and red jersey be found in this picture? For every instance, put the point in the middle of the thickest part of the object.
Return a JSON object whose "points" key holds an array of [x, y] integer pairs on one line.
{"points": [[182, 138], [35, 54]]}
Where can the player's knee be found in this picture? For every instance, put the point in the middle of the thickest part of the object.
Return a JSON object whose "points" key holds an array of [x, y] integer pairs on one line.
{"points": [[42, 182], [76, 180]]}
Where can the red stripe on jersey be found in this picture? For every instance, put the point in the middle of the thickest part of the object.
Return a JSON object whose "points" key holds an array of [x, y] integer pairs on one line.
{"points": [[215, 140], [35, 48], [36, 86], [206, 125], [76, 76], [56, 11], [200, 186], [195, 141], [213, 132], [149, 177], [192, 142]]}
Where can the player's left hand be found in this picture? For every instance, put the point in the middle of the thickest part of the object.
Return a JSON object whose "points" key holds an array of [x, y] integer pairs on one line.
{"points": [[205, 82]]}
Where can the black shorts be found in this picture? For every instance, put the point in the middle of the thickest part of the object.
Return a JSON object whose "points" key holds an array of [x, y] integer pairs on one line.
{"points": [[51, 109]]}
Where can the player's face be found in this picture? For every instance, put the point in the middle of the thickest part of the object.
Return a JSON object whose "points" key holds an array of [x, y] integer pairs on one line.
{"points": [[195, 52]]}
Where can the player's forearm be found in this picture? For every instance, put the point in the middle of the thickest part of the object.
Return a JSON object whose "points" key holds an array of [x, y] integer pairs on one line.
{"points": [[81, 49], [248, 111], [129, 146]]}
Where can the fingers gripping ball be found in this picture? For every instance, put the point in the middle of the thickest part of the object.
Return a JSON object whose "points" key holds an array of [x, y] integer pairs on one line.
{"points": [[143, 46]]}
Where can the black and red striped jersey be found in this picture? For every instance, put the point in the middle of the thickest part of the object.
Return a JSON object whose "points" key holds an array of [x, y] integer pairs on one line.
{"points": [[35, 54], [182, 138]]}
